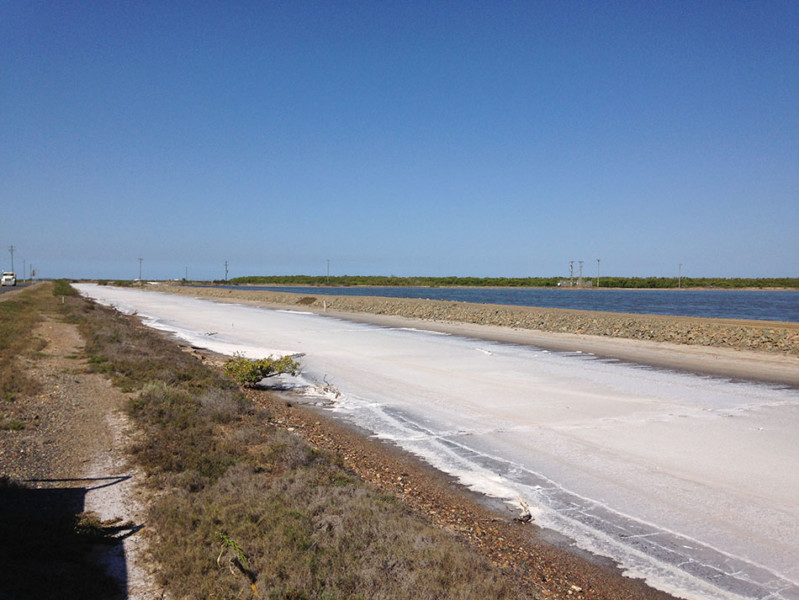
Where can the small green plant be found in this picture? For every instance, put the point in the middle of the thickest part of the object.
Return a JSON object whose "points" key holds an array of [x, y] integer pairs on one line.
{"points": [[238, 562], [250, 372], [227, 542], [12, 425]]}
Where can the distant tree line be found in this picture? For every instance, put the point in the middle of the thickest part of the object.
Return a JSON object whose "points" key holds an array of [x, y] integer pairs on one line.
{"points": [[605, 282]]}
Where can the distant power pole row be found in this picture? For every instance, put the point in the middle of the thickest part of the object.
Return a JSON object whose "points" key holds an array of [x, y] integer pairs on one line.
{"points": [[580, 275], [598, 262], [186, 270], [28, 272]]}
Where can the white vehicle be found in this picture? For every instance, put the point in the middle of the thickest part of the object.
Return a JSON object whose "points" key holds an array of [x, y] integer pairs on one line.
{"points": [[9, 278]]}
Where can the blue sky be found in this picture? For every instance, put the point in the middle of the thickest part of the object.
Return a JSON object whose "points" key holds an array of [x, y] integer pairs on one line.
{"points": [[405, 138]]}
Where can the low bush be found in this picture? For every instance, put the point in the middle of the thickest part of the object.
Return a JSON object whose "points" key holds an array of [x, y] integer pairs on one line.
{"points": [[251, 372]]}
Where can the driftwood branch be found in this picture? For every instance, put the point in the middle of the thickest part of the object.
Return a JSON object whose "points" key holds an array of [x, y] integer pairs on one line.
{"points": [[525, 516]]}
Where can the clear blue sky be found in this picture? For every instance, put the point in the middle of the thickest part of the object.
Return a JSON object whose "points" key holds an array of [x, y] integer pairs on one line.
{"points": [[407, 138]]}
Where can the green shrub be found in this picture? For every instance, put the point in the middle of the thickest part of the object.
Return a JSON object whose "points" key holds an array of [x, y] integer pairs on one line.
{"points": [[61, 287], [250, 372]]}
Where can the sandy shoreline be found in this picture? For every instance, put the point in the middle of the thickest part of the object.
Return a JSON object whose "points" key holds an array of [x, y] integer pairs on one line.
{"points": [[753, 350]]}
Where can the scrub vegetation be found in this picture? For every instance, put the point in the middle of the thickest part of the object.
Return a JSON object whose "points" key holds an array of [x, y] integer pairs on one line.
{"points": [[18, 318], [245, 507], [605, 282]]}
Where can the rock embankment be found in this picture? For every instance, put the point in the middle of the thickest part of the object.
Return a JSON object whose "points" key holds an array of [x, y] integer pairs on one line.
{"points": [[761, 336]]}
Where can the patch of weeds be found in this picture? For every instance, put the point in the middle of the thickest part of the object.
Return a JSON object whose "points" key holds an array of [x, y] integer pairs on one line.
{"points": [[39, 343], [12, 425], [61, 287], [133, 356], [18, 319], [178, 438], [306, 538], [90, 527], [223, 406]]}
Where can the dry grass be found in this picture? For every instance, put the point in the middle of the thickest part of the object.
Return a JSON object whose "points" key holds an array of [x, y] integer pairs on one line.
{"points": [[18, 318]]}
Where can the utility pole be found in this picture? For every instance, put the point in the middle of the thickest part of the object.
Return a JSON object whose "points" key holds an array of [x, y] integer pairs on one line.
{"points": [[328, 271], [571, 273], [141, 259], [187, 274], [225, 270], [597, 272], [580, 279], [24, 264], [679, 276], [11, 250]]}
